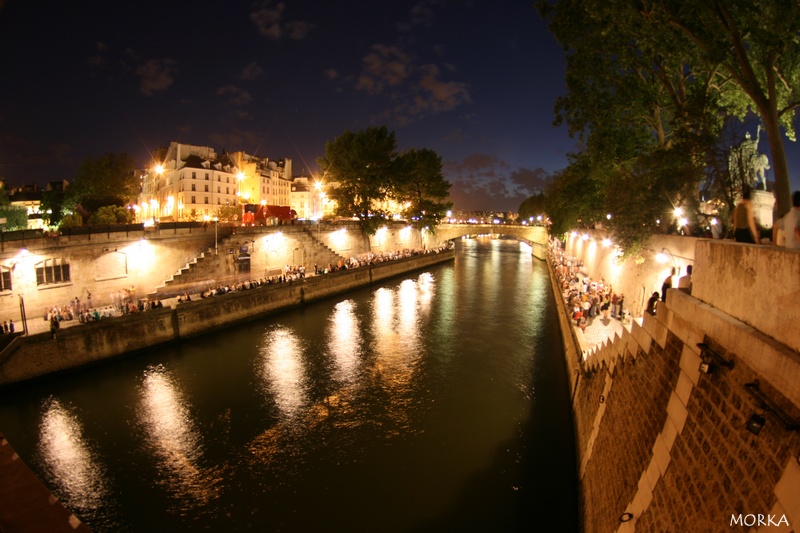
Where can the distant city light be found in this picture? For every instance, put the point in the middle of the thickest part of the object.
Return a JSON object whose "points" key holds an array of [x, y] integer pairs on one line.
{"points": [[678, 211]]}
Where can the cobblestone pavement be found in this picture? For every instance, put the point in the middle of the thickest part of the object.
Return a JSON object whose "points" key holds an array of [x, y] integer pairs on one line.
{"points": [[600, 329]]}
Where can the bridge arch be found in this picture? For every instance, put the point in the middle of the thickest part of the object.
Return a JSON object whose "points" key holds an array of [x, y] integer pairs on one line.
{"points": [[536, 236]]}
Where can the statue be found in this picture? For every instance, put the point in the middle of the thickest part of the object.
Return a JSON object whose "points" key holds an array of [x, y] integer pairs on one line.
{"points": [[747, 165], [760, 165]]}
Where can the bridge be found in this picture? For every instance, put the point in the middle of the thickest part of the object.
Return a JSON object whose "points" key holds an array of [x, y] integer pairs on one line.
{"points": [[536, 236]]}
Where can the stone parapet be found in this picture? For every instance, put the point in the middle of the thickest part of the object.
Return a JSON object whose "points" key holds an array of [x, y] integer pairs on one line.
{"points": [[38, 355], [664, 446], [759, 285]]}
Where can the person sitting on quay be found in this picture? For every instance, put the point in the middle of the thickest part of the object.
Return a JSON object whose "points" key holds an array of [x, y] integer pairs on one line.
{"points": [[652, 303]]}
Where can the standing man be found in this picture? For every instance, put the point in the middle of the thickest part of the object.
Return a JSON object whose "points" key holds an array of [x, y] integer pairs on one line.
{"points": [[790, 224]]}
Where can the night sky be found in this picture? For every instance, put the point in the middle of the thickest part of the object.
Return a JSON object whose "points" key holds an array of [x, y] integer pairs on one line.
{"points": [[473, 80]]}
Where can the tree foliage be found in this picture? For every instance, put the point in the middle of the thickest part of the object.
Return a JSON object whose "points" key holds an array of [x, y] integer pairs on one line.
{"points": [[368, 172], [361, 164], [754, 47], [53, 207], [532, 207], [420, 185], [648, 105], [649, 87], [16, 217], [111, 214], [107, 180]]}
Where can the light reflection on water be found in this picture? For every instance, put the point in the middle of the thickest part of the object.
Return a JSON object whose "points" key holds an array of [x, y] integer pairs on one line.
{"points": [[344, 341], [402, 407], [171, 436], [72, 466], [282, 370]]}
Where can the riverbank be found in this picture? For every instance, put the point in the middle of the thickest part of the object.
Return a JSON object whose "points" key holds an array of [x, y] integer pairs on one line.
{"points": [[40, 354]]}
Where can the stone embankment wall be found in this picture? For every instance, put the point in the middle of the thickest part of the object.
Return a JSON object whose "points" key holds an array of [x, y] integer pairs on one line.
{"points": [[37, 355], [664, 446]]}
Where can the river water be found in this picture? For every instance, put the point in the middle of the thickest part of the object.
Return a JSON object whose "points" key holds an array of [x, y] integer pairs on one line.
{"points": [[437, 402]]}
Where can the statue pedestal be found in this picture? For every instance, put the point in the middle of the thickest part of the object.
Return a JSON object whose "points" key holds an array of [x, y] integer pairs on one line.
{"points": [[763, 206]]}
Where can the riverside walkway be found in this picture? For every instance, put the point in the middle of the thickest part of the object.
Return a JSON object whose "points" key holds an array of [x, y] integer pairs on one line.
{"points": [[27, 506]]}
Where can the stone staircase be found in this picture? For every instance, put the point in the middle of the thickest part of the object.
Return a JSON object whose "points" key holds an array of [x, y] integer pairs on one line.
{"points": [[207, 268], [318, 252]]}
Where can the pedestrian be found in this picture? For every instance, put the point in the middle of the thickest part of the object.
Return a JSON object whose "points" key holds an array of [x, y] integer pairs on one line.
{"points": [[5, 326], [54, 325], [744, 224], [685, 282], [651, 304], [790, 224], [667, 285], [10, 326]]}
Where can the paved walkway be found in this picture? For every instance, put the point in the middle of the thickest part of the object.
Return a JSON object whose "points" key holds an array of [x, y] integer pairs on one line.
{"points": [[598, 330], [27, 505]]}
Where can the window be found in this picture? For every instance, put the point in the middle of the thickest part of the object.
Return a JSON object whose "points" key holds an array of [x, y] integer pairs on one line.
{"points": [[228, 179], [5, 279], [206, 175], [193, 200], [193, 187], [227, 190], [194, 175], [218, 187], [206, 199], [52, 271]]}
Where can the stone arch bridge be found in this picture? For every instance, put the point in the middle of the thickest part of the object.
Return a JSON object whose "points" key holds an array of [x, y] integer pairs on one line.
{"points": [[536, 236]]}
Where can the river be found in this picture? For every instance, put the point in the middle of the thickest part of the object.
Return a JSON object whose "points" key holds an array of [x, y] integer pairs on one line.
{"points": [[434, 402]]}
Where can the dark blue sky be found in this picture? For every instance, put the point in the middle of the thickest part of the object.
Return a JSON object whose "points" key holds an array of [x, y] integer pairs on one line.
{"points": [[473, 80]]}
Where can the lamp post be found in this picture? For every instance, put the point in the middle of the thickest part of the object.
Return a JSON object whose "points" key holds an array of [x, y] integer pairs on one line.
{"points": [[239, 179]]}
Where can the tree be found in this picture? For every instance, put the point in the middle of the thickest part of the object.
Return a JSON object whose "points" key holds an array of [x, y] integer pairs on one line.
{"points": [[16, 218], [755, 45], [645, 107], [72, 220], [111, 214], [532, 207], [362, 166], [52, 206], [107, 180], [420, 185]]}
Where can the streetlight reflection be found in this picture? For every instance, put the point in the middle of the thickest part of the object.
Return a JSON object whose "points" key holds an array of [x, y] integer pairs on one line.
{"points": [[171, 432], [344, 342], [282, 371], [71, 465]]}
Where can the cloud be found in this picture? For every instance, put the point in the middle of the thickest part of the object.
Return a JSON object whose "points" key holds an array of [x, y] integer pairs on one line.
{"points": [[482, 181], [269, 19], [415, 91], [235, 95], [530, 181], [251, 72], [99, 59], [421, 15], [385, 66], [155, 75], [434, 94]]}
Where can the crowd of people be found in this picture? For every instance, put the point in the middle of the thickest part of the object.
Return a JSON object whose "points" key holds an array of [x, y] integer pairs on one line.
{"points": [[125, 301], [586, 298]]}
